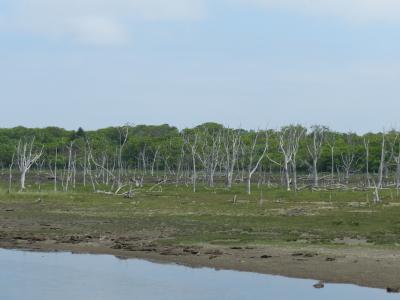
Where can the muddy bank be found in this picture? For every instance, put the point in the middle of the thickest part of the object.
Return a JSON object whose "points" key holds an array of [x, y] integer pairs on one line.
{"points": [[325, 241], [378, 268]]}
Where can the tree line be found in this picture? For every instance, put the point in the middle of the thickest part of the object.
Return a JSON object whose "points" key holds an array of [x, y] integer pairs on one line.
{"points": [[117, 158]]}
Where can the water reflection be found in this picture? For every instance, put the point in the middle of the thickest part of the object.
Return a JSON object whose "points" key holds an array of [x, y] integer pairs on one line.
{"points": [[64, 276]]}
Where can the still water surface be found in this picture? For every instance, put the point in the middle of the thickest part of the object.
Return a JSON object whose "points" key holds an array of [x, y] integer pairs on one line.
{"points": [[65, 276]]}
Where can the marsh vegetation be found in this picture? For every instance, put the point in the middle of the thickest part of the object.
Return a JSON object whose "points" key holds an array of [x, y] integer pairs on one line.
{"points": [[292, 202]]}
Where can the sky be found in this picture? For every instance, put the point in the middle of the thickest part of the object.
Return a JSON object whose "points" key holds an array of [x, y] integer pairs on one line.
{"points": [[242, 63]]}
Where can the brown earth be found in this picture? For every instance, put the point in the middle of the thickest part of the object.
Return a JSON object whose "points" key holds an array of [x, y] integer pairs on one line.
{"points": [[295, 238], [378, 268]]}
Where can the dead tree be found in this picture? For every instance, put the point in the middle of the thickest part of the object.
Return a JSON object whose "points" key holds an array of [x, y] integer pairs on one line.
{"points": [[231, 142], [377, 198], [289, 139], [142, 158], [39, 166], [396, 157], [26, 156], [315, 149], [191, 142], [297, 135], [209, 153], [84, 166], [348, 157], [55, 171], [167, 156], [117, 182], [366, 147], [382, 162], [331, 142], [154, 161], [252, 153], [123, 139], [180, 163], [10, 174], [70, 167], [116, 179], [394, 148], [286, 150]]}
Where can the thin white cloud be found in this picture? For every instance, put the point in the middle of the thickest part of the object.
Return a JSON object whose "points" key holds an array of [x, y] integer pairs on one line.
{"points": [[351, 10], [108, 22], [146, 9], [96, 21], [98, 31]]}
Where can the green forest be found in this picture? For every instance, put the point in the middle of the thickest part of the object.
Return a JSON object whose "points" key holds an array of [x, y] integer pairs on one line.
{"points": [[209, 153]]}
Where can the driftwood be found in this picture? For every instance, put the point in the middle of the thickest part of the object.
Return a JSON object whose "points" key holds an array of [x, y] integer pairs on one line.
{"points": [[104, 193], [129, 194], [157, 185]]}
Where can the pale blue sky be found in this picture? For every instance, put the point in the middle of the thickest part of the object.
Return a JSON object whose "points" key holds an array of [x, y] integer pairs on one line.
{"points": [[249, 63]]}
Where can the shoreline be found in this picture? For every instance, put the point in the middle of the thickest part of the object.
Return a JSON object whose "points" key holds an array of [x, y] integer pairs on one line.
{"points": [[333, 242], [366, 267]]}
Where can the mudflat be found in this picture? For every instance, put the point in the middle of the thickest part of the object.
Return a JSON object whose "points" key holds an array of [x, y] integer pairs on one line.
{"points": [[340, 238]]}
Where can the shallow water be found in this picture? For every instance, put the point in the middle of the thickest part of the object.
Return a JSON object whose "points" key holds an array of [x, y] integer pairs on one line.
{"points": [[65, 276]]}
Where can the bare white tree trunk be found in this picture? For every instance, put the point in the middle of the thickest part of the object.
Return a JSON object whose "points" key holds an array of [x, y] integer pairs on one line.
{"points": [[232, 142], [366, 146], [348, 157], [84, 167], [69, 167], [155, 157], [143, 159], [39, 165], [123, 139], [22, 179], [297, 134], [252, 168], [331, 141], [55, 171], [192, 143], [377, 198], [315, 149], [26, 158], [289, 139], [180, 165], [395, 154], [10, 175], [209, 153], [382, 163]]}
